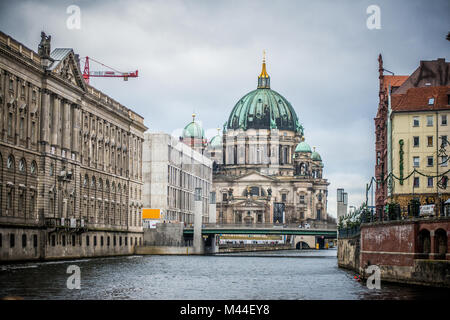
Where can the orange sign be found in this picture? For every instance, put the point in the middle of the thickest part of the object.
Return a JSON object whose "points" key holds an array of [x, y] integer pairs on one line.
{"points": [[151, 213]]}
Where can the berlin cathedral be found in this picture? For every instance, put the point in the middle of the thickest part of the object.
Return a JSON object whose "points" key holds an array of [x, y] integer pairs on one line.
{"points": [[264, 172]]}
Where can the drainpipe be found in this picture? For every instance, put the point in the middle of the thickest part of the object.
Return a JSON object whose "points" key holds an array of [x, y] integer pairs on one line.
{"points": [[437, 202], [389, 139]]}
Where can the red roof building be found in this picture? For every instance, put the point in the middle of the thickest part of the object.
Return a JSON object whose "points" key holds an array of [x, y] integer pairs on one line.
{"points": [[408, 93]]}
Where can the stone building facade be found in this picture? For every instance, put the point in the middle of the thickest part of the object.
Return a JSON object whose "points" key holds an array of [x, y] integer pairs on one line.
{"points": [[172, 171], [71, 160], [269, 174]]}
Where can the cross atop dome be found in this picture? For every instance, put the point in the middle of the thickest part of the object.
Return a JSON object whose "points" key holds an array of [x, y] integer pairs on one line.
{"points": [[264, 79]]}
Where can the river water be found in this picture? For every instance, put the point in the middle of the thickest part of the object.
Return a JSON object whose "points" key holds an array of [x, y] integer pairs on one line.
{"points": [[299, 274]]}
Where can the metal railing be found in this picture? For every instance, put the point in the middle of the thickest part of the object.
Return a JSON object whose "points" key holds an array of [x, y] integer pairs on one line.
{"points": [[349, 232], [401, 213]]}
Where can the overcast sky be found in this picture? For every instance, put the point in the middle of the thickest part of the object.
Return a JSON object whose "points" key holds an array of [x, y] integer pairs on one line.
{"points": [[203, 56]]}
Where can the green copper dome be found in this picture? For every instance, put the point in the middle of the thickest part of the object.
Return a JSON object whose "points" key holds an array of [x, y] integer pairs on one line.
{"points": [[216, 142], [264, 108], [193, 130], [303, 147], [316, 156]]}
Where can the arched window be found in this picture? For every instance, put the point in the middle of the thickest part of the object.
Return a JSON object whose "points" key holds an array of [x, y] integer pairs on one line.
{"points": [[51, 170], [93, 182], [100, 184], [107, 186], [85, 181], [22, 165], [10, 163], [33, 168]]}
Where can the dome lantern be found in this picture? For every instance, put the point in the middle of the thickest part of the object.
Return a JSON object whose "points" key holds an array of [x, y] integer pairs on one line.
{"points": [[264, 79]]}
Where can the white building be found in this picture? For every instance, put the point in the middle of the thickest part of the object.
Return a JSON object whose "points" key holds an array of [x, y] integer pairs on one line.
{"points": [[171, 172]]}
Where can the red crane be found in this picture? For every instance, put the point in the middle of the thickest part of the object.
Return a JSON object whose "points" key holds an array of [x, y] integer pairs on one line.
{"points": [[106, 74]]}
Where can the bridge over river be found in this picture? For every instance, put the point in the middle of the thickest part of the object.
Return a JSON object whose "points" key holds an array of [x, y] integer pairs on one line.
{"points": [[310, 236], [327, 231]]}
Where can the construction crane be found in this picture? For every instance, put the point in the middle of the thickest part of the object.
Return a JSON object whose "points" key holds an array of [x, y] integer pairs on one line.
{"points": [[106, 74]]}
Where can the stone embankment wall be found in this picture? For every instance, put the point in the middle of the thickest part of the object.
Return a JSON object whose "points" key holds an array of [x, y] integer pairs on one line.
{"points": [[164, 250], [407, 251], [165, 234], [349, 253]]}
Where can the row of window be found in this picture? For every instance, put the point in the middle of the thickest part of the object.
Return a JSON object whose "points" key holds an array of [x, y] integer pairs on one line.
{"points": [[137, 194], [177, 177], [443, 138], [52, 240], [285, 155], [254, 191], [10, 165], [22, 86], [430, 182], [179, 216], [12, 240], [430, 120], [22, 203], [430, 161]]}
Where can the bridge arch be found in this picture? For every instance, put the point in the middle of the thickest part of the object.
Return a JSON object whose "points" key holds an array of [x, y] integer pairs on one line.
{"points": [[302, 245], [440, 238], [424, 243]]}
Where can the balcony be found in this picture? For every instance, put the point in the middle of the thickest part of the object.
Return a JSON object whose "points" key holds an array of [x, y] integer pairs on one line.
{"points": [[68, 224]]}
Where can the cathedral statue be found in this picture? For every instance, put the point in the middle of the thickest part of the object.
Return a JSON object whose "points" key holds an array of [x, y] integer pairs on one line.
{"points": [[44, 46]]}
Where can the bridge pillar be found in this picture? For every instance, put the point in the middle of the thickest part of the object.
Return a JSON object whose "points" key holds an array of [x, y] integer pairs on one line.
{"points": [[212, 245], [198, 210], [212, 208]]}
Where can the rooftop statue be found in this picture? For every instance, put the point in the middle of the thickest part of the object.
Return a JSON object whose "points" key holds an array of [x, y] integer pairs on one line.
{"points": [[44, 46]]}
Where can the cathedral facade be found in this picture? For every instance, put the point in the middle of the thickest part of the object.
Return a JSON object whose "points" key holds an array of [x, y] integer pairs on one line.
{"points": [[264, 171]]}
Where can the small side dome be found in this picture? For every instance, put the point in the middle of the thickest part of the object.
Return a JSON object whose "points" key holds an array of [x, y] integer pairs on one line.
{"points": [[303, 147], [216, 142], [193, 130], [316, 156]]}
